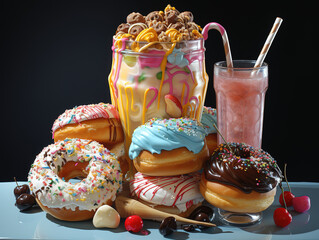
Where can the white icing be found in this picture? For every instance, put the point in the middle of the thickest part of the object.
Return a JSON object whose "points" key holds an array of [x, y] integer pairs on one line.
{"points": [[180, 191], [103, 181]]}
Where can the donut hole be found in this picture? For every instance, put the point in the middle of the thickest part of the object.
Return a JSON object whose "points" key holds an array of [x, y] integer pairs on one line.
{"points": [[72, 169], [242, 153]]}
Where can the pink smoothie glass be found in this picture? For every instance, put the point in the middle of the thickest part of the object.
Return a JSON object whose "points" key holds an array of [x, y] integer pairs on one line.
{"points": [[240, 95]]}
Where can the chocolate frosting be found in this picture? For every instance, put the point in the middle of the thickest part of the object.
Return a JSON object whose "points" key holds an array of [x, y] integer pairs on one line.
{"points": [[244, 167]]}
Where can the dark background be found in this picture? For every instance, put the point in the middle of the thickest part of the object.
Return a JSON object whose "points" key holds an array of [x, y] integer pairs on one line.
{"points": [[57, 54]]}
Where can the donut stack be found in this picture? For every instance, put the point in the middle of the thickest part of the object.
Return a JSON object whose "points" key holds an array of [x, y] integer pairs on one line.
{"points": [[168, 153], [97, 122], [83, 136]]}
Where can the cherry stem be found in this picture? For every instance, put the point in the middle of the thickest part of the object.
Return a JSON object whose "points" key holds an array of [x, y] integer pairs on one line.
{"points": [[285, 175], [16, 181], [283, 195], [223, 138]]}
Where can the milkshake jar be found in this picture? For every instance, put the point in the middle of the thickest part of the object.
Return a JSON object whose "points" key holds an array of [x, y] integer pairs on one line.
{"points": [[157, 79]]}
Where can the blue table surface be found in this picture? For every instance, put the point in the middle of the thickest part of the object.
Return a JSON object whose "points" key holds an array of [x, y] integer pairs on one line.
{"points": [[36, 224]]}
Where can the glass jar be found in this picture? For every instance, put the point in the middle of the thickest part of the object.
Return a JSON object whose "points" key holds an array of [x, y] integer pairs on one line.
{"points": [[157, 79]]}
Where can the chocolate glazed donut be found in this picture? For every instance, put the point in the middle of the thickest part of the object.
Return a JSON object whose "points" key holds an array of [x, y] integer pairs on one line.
{"points": [[244, 167]]}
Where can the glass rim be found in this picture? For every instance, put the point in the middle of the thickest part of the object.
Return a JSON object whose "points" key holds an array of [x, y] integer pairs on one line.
{"points": [[223, 65], [186, 46], [145, 42]]}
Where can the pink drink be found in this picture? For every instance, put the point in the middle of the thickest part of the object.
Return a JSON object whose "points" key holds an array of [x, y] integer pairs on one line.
{"points": [[240, 94]]}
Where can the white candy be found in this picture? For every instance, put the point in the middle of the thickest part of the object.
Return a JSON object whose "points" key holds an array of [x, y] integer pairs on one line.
{"points": [[106, 217]]}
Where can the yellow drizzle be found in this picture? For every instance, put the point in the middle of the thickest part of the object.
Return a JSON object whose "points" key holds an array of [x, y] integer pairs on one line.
{"points": [[146, 35], [176, 37], [144, 105]]}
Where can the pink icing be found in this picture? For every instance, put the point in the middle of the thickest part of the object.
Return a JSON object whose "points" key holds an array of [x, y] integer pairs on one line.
{"points": [[177, 185], [85, 112], [152, 62], [120, 56], [155, 95]]}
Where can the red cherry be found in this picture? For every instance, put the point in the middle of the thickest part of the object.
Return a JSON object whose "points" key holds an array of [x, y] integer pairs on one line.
{"points": [[288, 199], [133, 223], [282, 217]]}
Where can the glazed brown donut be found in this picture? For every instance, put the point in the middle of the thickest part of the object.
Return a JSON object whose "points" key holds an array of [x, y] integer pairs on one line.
{"points": [[59, 162], [232, 199], [98, 122], [240, 178], [170, 163]]}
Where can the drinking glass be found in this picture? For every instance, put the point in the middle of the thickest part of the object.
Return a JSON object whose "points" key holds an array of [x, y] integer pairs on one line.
{"points": [[240, 97]]}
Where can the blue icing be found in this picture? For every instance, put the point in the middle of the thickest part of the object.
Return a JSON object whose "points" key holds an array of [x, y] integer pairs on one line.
{"points": [[209, 117], [177, 58], [167, 134]]}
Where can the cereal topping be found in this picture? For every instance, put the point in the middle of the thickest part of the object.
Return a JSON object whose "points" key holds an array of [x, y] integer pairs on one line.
{"points": [[160, 21]]}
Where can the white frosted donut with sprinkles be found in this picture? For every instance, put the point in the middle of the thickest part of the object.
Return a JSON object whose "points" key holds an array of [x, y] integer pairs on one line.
{"points": [[174, 194], [57, 163], [98, 122]]}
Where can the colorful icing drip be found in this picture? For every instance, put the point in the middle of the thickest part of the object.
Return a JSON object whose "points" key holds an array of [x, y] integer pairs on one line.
{"points": [[246, 168], [103, 182], [209, 118], [151, 60], [167, 134], [174, 191], [85, 112], [138, 85]]}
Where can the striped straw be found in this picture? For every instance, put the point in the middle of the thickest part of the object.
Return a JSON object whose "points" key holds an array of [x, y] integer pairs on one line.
{"points": [[222, 31], [268, 42]]}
